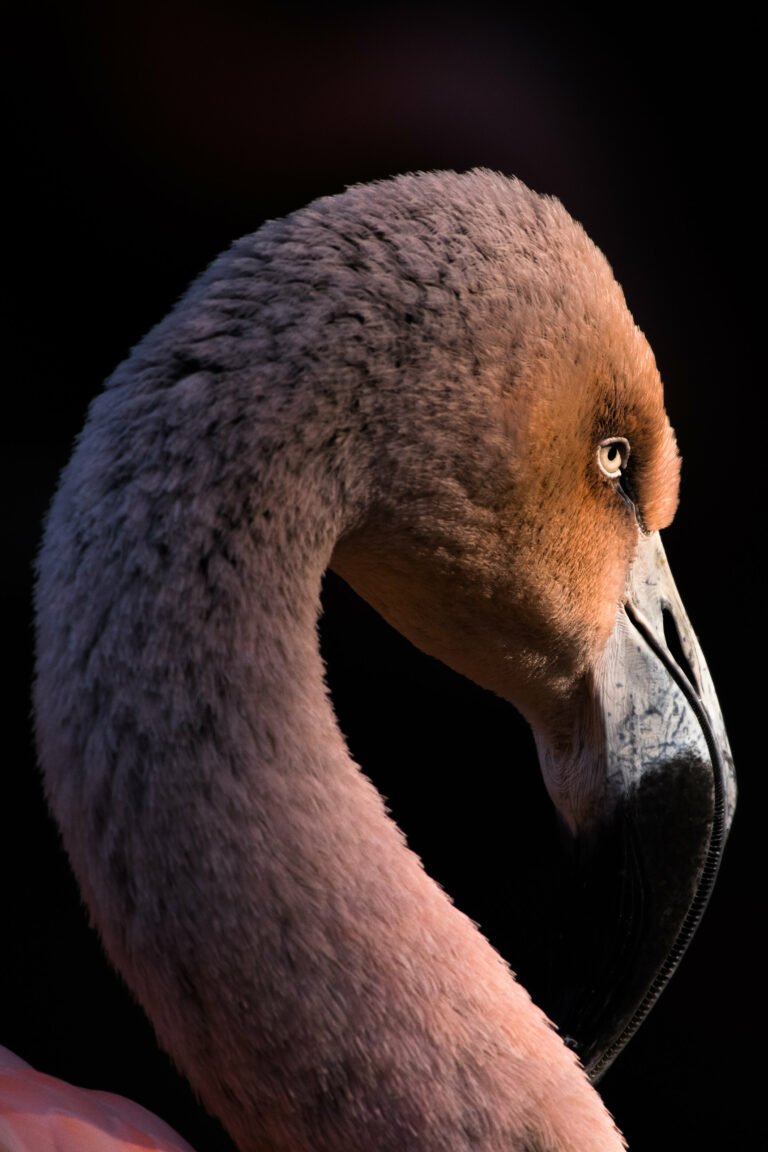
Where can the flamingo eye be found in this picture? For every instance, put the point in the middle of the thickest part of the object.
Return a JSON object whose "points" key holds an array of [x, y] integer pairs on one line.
{"points": [[612, 456]]}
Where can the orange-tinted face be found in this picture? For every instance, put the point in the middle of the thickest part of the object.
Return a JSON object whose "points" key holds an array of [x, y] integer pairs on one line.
{"points": [[509, 562], [594, 462]]}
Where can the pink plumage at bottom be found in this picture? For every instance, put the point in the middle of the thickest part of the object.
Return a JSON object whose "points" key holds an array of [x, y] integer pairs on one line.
{"points": [[39, 1113]]}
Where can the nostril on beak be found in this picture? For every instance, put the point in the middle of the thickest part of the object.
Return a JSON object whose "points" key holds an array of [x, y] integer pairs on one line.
{"points": [[675, 646]]}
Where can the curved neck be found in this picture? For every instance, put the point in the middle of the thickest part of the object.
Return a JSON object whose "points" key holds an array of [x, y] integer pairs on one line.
{"points": [[315, 985]]}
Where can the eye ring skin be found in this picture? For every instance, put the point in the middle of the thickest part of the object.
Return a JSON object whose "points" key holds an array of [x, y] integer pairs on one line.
{"points": [[622, 444]]}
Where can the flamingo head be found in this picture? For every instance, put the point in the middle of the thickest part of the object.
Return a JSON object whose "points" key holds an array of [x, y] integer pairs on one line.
{"points": [[516, 538]]}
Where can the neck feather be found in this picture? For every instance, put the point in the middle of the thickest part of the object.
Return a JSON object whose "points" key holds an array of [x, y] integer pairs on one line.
{"points": [[315, 985]]}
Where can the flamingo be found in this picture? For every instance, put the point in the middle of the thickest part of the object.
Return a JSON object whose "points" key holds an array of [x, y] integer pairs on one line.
{"points": [[433, 386]]}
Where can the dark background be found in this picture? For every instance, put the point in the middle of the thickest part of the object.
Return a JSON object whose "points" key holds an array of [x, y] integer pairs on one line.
{"points": [[146, 137]]}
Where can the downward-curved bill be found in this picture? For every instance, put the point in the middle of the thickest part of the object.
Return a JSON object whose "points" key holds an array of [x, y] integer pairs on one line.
{"points": [[643, 856]]}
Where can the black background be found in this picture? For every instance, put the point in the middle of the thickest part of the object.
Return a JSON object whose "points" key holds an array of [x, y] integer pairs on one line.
{"points": [[152, 134]]}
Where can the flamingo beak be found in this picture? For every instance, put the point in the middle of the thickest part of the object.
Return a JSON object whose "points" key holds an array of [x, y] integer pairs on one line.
{"points": [[647, 826]]}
